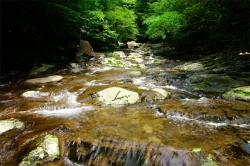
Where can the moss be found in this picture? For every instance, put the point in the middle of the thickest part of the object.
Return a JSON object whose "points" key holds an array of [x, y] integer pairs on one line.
{"points": [[242, 92], [114, 55], [47, 150], [211, 161]]}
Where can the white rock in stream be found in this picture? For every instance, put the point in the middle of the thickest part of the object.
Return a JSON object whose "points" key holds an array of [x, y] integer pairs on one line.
{"points": [[35, 94], [117, 96], [6, 125], [163, 94], [47, 150], [53, 78]]}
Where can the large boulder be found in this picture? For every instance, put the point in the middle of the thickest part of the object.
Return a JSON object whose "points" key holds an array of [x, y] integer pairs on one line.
{"points": [[53, 78], [84, 48], [116, 96]]}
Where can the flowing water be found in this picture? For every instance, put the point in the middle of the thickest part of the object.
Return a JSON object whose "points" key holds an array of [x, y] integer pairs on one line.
{"points": [[163, 132]]}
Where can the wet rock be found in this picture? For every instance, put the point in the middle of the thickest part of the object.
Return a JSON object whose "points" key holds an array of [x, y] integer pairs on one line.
{"points": [[135, 73], [190, 66], [245, 146], [117, 54], [35, 94], [40, 69], [120, 63], [132, 44], [76, 67], [117, 96], [47, 150], [114, 62], [53, 78], [134, 56], [163, 94], [241, 93], [84, 48], [6, 125], [213, 83]]}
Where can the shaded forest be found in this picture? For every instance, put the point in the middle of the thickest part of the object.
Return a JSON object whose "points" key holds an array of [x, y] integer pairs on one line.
{"points": [[34, 30]]}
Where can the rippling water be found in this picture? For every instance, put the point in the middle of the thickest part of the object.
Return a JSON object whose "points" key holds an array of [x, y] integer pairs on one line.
{"points": [[162, 132]]}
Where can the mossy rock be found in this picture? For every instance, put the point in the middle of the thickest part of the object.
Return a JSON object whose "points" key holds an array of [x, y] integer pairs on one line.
{"points": [[6, 125], [241, 93], [47, 150], [116, 96], [135, 73], [213, 83], [190, 66]]}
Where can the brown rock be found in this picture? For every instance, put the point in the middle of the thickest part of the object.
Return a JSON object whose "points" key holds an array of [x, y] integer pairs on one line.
{"points": [[84, 48]]}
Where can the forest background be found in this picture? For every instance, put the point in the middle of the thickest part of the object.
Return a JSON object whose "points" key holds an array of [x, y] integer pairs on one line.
{"points": [[33, 30]]}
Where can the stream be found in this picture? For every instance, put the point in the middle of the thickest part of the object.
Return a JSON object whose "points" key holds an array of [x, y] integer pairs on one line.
{"points": [[189, 128]]}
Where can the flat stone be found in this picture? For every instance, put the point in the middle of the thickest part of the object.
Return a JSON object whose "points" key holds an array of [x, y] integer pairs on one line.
{"points": [[117, 96], [53, 78], [6, 125]]}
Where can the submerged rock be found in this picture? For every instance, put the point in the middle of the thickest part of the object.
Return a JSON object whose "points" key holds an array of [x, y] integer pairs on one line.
{"points": [[47, 150], [117, 96], [53, 78], [6, 125], [241, 93], [40, 69]]}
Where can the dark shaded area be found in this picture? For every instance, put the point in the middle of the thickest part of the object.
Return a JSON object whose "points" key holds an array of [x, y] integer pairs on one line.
{"points": [[33, 30]]}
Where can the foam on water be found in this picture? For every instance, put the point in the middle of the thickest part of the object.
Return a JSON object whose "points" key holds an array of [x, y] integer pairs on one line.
{"points": [[65, 112], [93, 83], [182, 118], [99, 69], [67, 97], [139, 81]]}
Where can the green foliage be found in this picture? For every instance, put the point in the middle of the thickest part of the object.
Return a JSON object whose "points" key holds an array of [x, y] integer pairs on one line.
{"points": [[114, 55], [208, 20], [122, 21], [168, 23]]}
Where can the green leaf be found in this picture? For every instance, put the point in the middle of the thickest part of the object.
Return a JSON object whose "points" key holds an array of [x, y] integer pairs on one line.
{"points": [[248, 142], [196, 150]]}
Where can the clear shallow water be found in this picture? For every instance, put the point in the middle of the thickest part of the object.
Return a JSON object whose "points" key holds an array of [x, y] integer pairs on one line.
{"points": [[157, 133]]}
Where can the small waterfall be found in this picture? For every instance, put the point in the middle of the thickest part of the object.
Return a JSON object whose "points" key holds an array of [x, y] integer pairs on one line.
{"points": [[120, 152]]}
